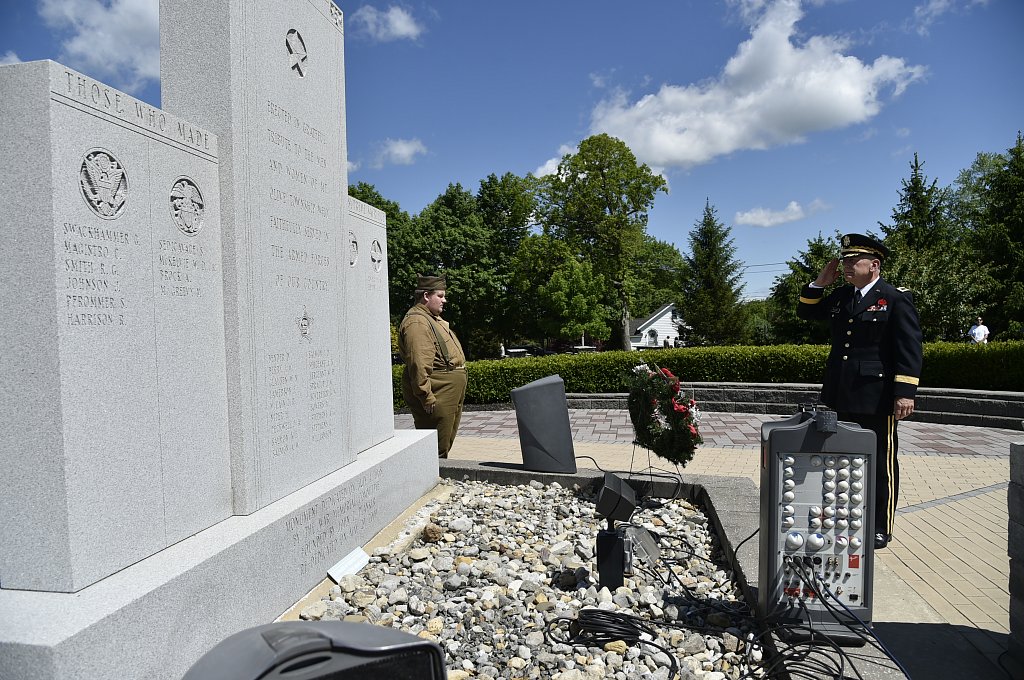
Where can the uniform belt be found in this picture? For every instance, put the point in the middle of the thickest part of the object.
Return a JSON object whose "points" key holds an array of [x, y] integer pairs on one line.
{"points": [[449, 369]]}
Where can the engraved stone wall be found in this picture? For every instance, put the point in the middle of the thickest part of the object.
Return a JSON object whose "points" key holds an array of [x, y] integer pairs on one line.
{"points": [[113, 443], [372, 419], [279, 110]]}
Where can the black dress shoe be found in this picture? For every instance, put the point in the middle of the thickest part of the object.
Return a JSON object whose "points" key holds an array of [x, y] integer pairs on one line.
{"points": [[881, 540]]}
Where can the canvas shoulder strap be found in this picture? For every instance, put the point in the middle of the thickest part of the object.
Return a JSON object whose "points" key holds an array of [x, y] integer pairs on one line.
{"points": [[441, 344]]}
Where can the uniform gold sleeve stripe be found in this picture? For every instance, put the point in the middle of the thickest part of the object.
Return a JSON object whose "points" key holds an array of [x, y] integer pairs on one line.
{"points": [[809, 301], [910, 380]]}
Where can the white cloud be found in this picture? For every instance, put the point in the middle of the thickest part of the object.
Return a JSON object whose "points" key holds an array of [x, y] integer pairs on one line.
{"points": [[926, 14], [902, 132], [399, 152], [550, 165], [773, 91], [765, 217], [394, 23], [115, 40], [9, 57], [353, 166]]}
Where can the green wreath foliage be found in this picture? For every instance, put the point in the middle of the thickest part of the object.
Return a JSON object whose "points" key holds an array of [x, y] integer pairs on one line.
{"points": [[664, 421]]}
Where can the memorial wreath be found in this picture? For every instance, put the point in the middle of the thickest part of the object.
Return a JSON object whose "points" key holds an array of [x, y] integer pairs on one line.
{"points": [[664, 420]]}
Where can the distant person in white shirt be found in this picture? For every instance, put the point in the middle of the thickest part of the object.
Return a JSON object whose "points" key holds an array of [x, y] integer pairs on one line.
{"points": [[978, 333]]}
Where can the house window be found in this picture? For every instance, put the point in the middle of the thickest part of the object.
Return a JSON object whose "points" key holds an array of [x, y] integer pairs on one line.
{"points": [[652, 337]]}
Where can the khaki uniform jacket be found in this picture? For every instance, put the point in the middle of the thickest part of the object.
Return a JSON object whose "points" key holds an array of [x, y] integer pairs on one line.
{"points": [[420, 351]]}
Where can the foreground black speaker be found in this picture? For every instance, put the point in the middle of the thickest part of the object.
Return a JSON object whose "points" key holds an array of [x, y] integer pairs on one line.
{"points": [[616, 500], [321, 650]]}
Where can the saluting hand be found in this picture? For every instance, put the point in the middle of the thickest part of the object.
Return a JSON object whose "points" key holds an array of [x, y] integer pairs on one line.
{"points": [[829, 273]]}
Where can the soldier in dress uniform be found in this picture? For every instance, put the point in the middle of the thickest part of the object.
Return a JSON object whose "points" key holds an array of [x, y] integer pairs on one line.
{"points": [[874, 367], [434, 376]]}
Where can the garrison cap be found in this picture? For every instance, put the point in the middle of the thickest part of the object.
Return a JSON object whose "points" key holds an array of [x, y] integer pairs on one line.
{"points": [[859, 244], [429, 282]]}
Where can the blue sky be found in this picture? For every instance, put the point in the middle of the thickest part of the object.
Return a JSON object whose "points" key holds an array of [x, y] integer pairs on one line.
{"points": [[791, 117]]}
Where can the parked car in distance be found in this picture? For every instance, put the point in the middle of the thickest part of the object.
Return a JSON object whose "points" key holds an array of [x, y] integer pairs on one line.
{"points": [[528, 351]]}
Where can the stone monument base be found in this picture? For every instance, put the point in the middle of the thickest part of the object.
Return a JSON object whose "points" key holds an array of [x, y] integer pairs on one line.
{"points": [[155, 618]]}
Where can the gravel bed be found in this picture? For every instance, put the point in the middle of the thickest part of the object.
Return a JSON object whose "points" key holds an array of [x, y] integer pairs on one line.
{"points": [[498, 576]]}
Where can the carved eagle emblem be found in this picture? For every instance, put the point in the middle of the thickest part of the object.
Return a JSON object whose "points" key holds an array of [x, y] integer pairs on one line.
{"points": [[104, 184]]}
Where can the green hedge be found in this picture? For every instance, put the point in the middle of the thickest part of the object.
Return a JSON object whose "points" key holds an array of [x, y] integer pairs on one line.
{"points": [[996, 366]]}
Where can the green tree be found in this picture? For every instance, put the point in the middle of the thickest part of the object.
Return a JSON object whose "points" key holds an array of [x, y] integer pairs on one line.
{"points": [[760, 322], [507, 206], [921, 216], [657, 279], [1001, 242], [597, 202], [555, 294], [404, 247], [711, 301], [928, 255], [455, 242], [803, 269]]}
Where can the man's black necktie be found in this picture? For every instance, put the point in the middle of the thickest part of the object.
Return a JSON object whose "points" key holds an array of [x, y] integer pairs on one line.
{"points": [[856, 298]]}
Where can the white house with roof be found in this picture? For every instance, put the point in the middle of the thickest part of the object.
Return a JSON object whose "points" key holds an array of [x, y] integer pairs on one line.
{"points": [[653, 331]]}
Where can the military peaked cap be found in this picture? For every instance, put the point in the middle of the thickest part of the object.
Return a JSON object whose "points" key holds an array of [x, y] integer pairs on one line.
{"points": [[859, 244], [428, 282]]}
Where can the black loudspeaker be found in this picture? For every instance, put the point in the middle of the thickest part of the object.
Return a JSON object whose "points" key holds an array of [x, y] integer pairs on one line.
{"points": [[616, 500], [321, 650]]}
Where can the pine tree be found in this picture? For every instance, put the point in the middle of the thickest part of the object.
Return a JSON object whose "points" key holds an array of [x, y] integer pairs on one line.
{"points": [[711, 302]]}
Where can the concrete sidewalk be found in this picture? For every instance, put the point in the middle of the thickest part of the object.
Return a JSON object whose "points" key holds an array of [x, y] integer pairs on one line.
{"points": [[941, 588]]}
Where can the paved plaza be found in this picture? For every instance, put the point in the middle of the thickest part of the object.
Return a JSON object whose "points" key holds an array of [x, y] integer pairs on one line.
{"points": [[947, 565]]}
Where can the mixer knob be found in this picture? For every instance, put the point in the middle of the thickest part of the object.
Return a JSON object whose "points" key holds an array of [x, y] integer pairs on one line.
{"points": [[815, 461], [843, 498], [828, 512], [788, 510], [842, 513], [794, 540], [856, 513], [789, 485], [787, 472], [788, 460], [788, 522], [788, 497], [844, 462], [857, 498], [829, 486], [855, 542], [815, 541], [857, 462], [830, 461], [829, 473]]}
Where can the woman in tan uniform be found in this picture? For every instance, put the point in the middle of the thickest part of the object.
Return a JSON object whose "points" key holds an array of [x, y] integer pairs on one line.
{"points": [[434, 376]]}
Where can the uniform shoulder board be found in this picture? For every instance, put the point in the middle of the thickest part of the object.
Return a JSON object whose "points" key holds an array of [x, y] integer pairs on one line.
{"points": [[907, 293]]}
